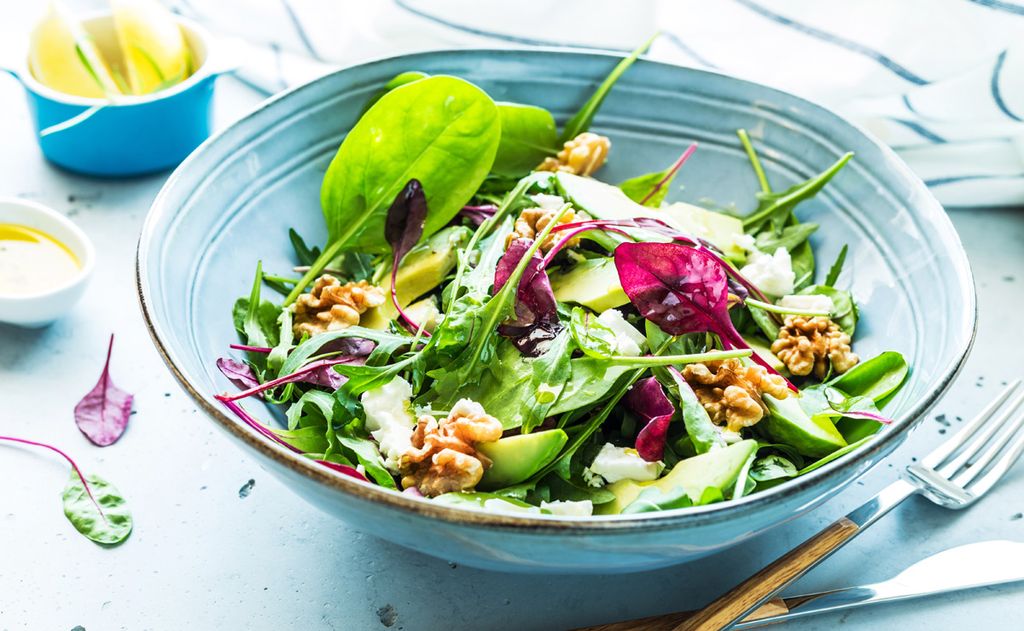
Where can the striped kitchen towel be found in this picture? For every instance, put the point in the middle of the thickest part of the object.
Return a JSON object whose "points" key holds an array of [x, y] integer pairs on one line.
{"points": [[941, 81]]}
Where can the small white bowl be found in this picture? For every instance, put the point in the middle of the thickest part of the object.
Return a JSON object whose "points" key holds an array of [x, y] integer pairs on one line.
{"points": [[37, 310]]}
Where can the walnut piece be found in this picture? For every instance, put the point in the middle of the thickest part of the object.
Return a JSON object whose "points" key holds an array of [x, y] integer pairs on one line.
{"points": [[331, 306], [731, 391], [582, 155], [443, 456], [533, 220], [811, 344]]}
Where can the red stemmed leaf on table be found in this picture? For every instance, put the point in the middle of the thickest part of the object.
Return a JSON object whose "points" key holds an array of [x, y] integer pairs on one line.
{"points": [[681, 289], [647, 399], [102, 414], [403, 228], [536, 323]]}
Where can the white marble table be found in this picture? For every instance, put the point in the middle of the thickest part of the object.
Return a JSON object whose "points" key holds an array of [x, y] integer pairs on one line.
{"points": [[204, 557]]}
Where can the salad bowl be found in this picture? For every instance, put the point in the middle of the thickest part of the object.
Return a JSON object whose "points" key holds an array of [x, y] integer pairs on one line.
{"points": [[233, 201]]}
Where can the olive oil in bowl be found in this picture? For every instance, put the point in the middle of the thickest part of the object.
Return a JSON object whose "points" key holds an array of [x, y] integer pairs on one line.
{"points": [[32, 262]]}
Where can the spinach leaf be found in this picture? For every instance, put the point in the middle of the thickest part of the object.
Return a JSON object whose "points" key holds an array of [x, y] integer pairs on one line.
{"points": [[790, 237], [654, 499], [442, 131], [567, 490], [837, 268], [772, 467], [580, 122], [845, 312], [528, 136], [876, 378], [99, 512], [309, 440], [397, 81], [834, 455]]}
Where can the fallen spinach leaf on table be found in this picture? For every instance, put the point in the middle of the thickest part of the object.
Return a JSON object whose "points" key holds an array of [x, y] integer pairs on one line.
{"points": [[102, 414], [93, 506]]}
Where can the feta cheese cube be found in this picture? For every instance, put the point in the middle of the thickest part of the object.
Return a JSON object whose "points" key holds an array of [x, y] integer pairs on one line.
{"points": [[771, 273], [810, 302], [547, 202], [568, 508], [629, 341], [622, 463]]}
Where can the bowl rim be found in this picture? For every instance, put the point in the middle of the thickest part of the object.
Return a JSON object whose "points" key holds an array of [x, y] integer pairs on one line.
{"points": [[204, 71], [531, 522], [87, 258]]}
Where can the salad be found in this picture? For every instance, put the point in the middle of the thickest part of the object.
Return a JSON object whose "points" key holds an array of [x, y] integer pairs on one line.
{"points": [[489, 325]]}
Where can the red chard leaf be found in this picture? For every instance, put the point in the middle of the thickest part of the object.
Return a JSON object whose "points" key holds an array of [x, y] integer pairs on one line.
{"points": [[239, 373], [403, 228], [102, 414], [536, 323], [681, 289], [648, 400]]}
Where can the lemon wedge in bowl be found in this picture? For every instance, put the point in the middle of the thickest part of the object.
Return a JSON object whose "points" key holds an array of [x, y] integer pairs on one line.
{"points": [[155, 53], [63, 56]]}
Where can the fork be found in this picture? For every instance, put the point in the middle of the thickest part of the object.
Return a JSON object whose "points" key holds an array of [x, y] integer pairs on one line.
{"points": [[955, 475]]}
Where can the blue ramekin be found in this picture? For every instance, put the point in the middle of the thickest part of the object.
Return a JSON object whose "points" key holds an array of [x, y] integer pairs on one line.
{"points": [[133, 135]]}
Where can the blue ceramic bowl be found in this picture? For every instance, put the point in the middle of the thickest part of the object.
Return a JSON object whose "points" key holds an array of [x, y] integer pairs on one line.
{"points": [[135, 135], [233, 201]]}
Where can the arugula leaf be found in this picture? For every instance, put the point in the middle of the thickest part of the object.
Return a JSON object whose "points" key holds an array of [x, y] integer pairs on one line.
{"points": [[580, 122], [790, 237], [255, 319], [528, 136], [837, 268], [650, 189], [702, 432], [304, 254], [776, 208], [367, 454]]}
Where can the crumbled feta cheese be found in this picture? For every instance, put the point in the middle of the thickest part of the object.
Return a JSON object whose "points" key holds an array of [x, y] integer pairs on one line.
{"points": [[548, 202], [568, 508], [621, 463], [745, 242], [388, 419], [810, 302], [730, 436], [628, 339], [498, 505], [771, 273]]}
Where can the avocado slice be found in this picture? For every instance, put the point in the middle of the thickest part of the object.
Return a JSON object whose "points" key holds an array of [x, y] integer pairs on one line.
{"points": [[718, 228], [593, 283], [422, 269], [764, 351], [789, 424], [717, 469], [516, 458]]}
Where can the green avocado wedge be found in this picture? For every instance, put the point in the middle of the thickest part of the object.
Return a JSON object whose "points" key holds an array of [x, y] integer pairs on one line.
{"points": [[593, 283], [717, 469], [789, 424], [516, 458]]}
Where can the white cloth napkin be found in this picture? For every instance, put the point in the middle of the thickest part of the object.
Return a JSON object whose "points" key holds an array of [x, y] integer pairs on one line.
{"points": [[941, 81]]}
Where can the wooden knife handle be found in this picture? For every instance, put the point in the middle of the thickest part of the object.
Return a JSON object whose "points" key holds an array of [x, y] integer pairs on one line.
{"points": [[734, 605], [667, 622]]}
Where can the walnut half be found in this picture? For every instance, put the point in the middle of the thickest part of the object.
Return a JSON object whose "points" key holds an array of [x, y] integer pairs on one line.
{"points": [[583, 155], [533, 220], [443, 456], [811, 344], [731, 391], [331, 306]]}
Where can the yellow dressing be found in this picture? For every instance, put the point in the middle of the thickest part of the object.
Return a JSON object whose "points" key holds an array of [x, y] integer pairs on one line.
{"points": [[32, 262]]}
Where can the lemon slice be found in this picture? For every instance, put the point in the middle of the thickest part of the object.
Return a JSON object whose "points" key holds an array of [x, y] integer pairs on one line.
{"points": [[63, 56], [156, 55]]}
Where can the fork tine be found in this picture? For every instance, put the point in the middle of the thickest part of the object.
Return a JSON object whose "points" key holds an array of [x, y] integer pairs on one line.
{"points": [[978, 465], [1004, 464], [943, 451], [991, 427]]}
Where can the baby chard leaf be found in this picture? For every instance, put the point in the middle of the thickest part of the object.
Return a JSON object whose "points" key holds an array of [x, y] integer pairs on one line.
{"points": [[102, 414], [97, 510], [647, 399], [651, 189], [403, 228], [583, 118]]}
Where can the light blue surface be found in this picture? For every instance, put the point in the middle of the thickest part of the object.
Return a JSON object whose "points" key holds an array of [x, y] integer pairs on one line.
{"points": [[202, 557], [232, 202]]}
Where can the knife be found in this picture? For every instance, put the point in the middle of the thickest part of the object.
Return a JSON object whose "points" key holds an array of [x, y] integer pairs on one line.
{"points": [[968, 566]]}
